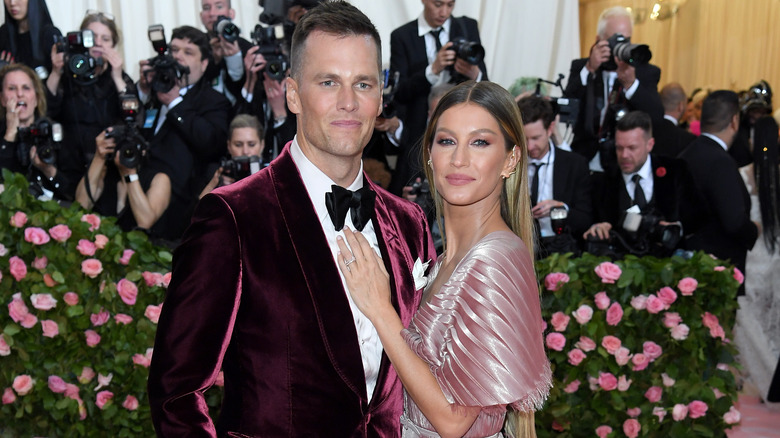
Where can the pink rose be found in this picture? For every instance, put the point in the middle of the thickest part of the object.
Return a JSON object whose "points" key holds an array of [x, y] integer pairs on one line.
{"points": [[121, 318], [36, 236], [556, 341], [140, 359], [738, 275], [56, 384], [43, 301], [631, 428], [719, 268], [622, 356], [166, 279], [709, 320], [586, 344], [602, 300], [103, 397], [92, 338], [130, 403], [16, 308], [86, 248], [652, 350], [667, 295], [23, 384], [687, 285], [614, 314], [718, 332], [624, 384], [672, 319], [100, 318], [731, 417], [8, 396], [576, 356], [5, 349], [126, 256], [17, 267], [48, 280], [100, 241], [608, 272], [553, 280], [679, 412], [40, 263], [91, 267], [92, 220], [603, 430], [29, 321], [639, 302], [654, 304], [722, 366], [104, 380], [50, 328], [572, 387], [593, 383], [660, 413], [153, 312], [71, 392], [559, 321], [640, 362], [583, 314], [680, 332], [71, 298], [653, 394], [717, 393], [127, 290], [697, 408], [3, 250], [611, 343], [607, 381], [87, 374], [633, 412], [60, 232], [153, 278], [668, 381], [18, 219]]}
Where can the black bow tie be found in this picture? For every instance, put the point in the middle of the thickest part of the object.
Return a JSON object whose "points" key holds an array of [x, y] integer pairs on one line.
{"points": [[360, 203]]}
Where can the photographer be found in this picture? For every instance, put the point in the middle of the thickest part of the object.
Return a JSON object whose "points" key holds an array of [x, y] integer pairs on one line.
{"points": [[606, 85], [648, 202], [24, 130], [87, 101], [226, 73], [27, 35], [245, 144]]}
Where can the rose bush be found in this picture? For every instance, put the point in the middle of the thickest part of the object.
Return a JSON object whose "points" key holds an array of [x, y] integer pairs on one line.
{"points": [[647, 351]]}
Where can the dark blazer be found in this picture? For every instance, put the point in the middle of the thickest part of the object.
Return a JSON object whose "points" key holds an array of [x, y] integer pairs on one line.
{"points": [[590, 94], [255, 293], [571, 185], [408, 57], [726, 230], [670, 139]]}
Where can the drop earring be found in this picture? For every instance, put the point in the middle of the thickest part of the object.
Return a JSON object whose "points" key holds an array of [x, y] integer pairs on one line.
{"points": [[430, 163]]}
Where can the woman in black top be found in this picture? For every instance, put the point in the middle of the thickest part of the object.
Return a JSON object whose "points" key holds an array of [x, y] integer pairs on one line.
{"points": [[28, 35]]}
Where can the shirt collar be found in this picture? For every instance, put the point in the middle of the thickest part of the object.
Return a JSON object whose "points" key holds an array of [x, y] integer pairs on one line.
{"points": [[671, 119], [423, 27], [717, 140], [646, 171]]}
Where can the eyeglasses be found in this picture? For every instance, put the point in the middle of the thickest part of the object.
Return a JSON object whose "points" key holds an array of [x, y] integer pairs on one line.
{"points": [[96, 13]]}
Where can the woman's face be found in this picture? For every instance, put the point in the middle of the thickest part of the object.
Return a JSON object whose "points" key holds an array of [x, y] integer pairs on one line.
{"points": [[17, 9], [19, 96], [469, 156], [103, 39], [244, 142]]}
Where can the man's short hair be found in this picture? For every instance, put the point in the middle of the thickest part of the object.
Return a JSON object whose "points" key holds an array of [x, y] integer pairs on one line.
{"points": [[534, 108], [636, 119], [606, 14], [437, 91], [718, 109], [671, 96], [337, 18], [196, 37]]}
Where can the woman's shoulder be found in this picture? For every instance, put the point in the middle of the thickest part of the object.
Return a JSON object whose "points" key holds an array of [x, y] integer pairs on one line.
{"points": [[500, 246]]}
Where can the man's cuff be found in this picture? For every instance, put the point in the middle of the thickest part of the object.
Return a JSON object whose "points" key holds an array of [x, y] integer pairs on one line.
{"points": [[479, 77], [143, 97], [247, 95], [432, 77], [235, 65], [395, 138], [175, 102], [632, 89]]}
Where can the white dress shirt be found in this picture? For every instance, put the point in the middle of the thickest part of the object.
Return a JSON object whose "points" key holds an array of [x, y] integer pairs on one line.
{"points": [[545, 185], [424, 30], [317, 185], [646, 173]]}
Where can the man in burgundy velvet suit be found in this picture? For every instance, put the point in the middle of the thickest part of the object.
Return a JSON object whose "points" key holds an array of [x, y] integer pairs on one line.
{"points": [[256, 291]]}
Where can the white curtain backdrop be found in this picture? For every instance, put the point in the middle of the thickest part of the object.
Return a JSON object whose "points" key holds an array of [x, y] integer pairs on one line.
{"points": [[521, 37]]}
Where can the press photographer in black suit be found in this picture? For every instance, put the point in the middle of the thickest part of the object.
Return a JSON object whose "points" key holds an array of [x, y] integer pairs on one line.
{"points": [[670, 138]]}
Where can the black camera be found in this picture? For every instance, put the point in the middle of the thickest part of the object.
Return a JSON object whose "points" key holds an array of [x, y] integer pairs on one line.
{"points": [[622, 49], [649, 235], [131, 146], [469, 51], [565, 108], [389, 87], [240, 167], [45, 135], [80, 66], [271, 41], [166, 70], [227, 29]]}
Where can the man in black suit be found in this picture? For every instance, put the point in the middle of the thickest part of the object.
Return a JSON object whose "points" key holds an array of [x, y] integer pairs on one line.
{"points": [[603, 88], [726, 231], [185, 125], [670, 139], [558, 178], [226, 72], [648, 200], [424, 60]]}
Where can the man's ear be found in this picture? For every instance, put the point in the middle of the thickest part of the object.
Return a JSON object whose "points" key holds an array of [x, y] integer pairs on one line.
{"points": [[293, 98], [232, 14]]}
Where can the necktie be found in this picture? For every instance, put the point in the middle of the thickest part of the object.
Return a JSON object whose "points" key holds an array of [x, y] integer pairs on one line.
{"points": [[359, 203], [639, 194], [436, 33], [535, 184]]}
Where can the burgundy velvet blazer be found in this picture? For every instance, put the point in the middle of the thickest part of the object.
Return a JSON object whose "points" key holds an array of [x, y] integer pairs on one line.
{"points": [[255, 292]]}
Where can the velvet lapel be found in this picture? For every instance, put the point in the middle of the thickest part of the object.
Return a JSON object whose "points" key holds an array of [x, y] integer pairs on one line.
{"points": [[322, 278]]}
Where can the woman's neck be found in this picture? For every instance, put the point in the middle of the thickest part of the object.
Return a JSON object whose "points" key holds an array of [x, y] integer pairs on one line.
{"points": [[23, 26], [465, 226]]}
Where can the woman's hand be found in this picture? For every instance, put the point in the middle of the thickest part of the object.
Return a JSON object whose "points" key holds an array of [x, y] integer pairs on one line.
{"points": [[114, 59], [104, 145], [11, 120], [367, 279]]}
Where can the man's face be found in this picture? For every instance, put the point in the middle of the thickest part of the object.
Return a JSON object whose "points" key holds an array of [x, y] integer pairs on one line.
{"points": [[337, 97], [617, 24], [538, 138], [211, 9], [187, 53], [436, 12], [632, 148]]}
